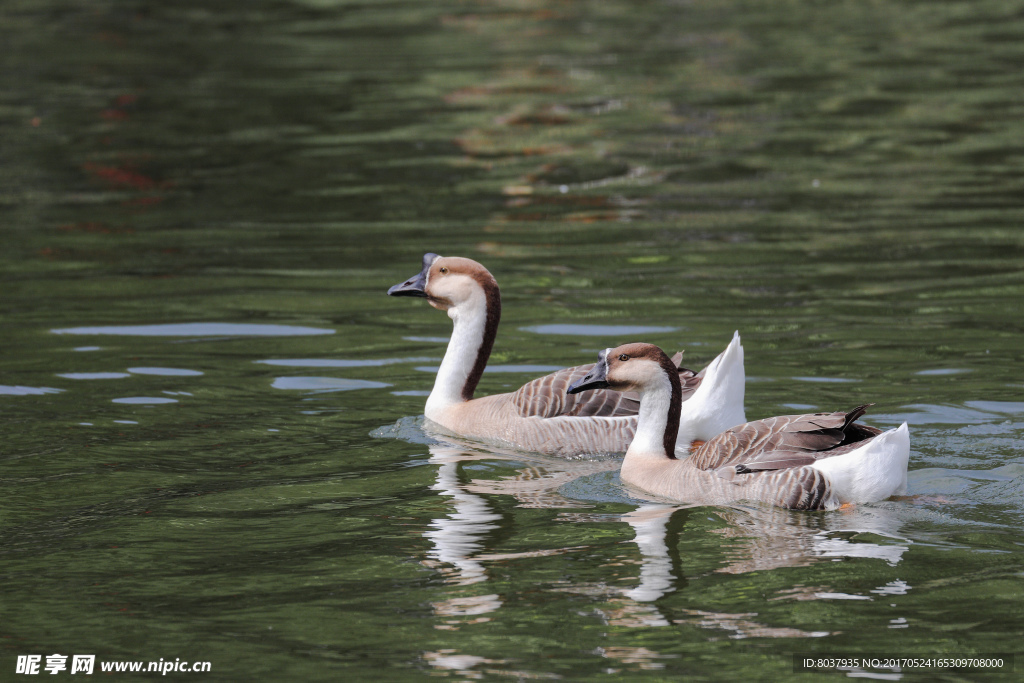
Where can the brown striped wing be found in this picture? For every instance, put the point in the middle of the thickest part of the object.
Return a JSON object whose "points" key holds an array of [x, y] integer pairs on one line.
{"points": [[782, 442], [546, 397], [796, 488], [799, 488]]}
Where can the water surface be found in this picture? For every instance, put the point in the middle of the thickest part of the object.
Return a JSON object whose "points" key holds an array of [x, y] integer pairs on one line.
{"points": [[211, 446]]}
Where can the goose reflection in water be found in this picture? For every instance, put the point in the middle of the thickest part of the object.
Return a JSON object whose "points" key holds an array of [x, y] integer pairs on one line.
{"points": [[755, 538], [761, 538], [458, 538]]}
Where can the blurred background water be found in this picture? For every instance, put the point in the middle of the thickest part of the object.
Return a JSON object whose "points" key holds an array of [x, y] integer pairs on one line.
{"points": [[211, 449]]}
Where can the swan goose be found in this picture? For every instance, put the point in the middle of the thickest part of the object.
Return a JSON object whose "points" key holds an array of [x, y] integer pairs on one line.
{"points": [[541, 416], [812, 462]]}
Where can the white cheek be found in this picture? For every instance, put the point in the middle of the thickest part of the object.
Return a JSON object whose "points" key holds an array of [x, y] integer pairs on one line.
{"points": [[634, 374], [649, 372], [455, 289]]}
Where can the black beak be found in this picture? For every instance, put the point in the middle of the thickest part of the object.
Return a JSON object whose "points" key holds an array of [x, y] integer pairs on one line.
{"points": [[597, 378], [417, 284]]}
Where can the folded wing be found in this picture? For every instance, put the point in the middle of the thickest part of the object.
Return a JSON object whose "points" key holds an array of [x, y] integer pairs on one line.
{"points": [[783, 442]]}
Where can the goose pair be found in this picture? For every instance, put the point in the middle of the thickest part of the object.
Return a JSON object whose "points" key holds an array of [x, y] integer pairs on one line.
{"points": [[808, 462], [815, 461], [541, 416]]}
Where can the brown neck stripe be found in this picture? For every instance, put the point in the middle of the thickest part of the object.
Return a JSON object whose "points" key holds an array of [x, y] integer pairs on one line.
{"points": [[674, 406], [493, 298]]}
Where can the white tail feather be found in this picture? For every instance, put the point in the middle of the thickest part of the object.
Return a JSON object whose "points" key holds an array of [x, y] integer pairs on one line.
{"points": [[717, 404], [873, 472]]}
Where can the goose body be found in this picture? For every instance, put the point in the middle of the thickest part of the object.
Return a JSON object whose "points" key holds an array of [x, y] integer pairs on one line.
{"points": [[810, 462], [541, 416]]}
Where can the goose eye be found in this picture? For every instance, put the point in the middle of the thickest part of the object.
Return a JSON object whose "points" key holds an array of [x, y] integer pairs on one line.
{"points": [[623, 357], [444, 270]]}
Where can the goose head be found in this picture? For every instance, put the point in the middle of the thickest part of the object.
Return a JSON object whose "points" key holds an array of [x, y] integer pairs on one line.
{"points": [[450, 282], [469, 294], [645, 369], [630, 367]]}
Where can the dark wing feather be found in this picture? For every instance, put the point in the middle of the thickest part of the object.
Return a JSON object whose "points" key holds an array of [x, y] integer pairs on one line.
{"points": [[546, 397], [784, 442]]}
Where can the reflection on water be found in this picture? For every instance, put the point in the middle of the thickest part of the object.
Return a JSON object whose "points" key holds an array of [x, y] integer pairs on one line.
{"points": [[27, 391], [757, 539], [766, 540], [170, 372], [972, 412], [339, 363], [145, 400], [197, 330], [535, 370], [459, 536], [613, 331], [448, 659], [325, 384], [468, 541], [650, 528]]}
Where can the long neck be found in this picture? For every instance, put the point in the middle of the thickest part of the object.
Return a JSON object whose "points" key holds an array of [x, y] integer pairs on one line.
{"points": [[475, 327], [658, 420]]}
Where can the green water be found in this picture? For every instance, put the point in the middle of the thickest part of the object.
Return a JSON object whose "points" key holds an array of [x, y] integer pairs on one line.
{"points": [[841, 182]]}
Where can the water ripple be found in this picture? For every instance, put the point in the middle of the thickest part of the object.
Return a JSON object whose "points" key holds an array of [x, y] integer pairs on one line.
{"points": [[171, 372], [145, 400], [325, 384], [197, 330], [27, 391], [94, 375], [339, 363], [598, 330]]}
